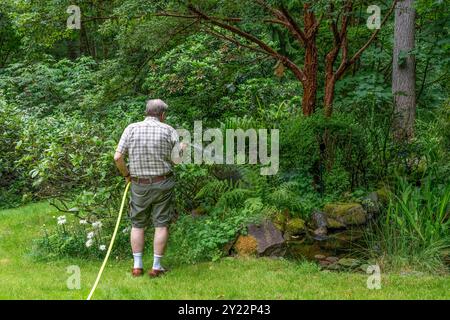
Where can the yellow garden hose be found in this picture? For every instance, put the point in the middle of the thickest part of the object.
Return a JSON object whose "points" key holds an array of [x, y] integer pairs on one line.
{"points": [[111, 243]]}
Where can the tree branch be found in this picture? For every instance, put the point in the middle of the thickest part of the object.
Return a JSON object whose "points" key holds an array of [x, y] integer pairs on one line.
{"points": [[265, 47], [293, 26], [235, 41], [343, 38], [284, 16], [176, 15], [311, 32], [225, 19], [356, 56]]}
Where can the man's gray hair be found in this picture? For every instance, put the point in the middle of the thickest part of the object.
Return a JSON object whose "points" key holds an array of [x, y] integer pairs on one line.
{"points": [[155, 107]]}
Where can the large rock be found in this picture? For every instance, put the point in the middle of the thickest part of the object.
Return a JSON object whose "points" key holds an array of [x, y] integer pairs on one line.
{"points": [[349, 262], [305, 249], [319, 222], [319, 219], [343, 241], [279, 219], [269, 239], [383, 195], [372, 204], [295, 226], [335, 224], [340, 215]]}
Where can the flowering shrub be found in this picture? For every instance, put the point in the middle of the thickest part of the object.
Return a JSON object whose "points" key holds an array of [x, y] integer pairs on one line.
{"points": [[72, 236]]}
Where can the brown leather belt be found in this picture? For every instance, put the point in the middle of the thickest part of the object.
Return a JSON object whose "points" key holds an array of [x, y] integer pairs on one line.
{"points": [[150, 180]]}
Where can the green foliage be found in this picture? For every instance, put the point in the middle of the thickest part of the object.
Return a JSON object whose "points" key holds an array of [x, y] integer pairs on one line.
{"points": [[332, 152], [10, 43], [11, 124], [203, 238], [214, 190], [74, 236], [215, 80], [47, 87], [66, 95], [414, 230], [77, 154]]}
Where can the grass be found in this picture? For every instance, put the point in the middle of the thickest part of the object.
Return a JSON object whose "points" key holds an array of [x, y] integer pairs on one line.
{"points": [[414, 230], [23, 277]]}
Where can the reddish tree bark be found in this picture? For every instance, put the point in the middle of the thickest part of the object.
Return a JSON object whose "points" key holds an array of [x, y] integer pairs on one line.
{"points": [[310, 68], [340, 44]]}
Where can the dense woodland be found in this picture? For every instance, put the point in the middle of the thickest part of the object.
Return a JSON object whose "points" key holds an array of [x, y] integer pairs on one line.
{"points": [[360, 109]]}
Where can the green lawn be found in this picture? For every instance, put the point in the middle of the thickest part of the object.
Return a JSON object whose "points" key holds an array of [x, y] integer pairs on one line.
{"points": [[24, 278]]}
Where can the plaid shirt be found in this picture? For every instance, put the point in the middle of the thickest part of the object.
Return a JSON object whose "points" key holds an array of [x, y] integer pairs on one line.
{"points": [[149, 145]]}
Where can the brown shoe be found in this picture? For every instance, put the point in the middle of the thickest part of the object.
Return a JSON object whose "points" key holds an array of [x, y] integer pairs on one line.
{"points": [[153, 273], [137, 272]]}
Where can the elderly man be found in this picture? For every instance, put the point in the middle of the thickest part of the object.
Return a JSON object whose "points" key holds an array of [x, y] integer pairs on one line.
{"points": [[149, 146]]}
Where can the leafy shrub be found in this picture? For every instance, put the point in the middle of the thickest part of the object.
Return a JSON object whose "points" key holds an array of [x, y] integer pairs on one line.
{"points": [[195, 239], [205, 74], [414, 229], [11, 124], [49, 86], [331, 152]]}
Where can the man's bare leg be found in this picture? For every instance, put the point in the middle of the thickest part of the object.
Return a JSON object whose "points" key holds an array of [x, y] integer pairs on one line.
{"points": [[137, 246], [137, 239], [159, 246]]}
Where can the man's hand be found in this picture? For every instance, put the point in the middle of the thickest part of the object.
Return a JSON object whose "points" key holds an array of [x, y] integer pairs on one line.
{"points": [[121, 165]]}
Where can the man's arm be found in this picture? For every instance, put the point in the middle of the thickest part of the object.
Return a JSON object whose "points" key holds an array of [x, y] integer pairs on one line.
{"points": [[119, 156], [119, 159]]}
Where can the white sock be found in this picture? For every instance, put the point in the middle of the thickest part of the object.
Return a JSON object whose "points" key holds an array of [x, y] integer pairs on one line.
{"points": [[157, 262], [138, 260]]}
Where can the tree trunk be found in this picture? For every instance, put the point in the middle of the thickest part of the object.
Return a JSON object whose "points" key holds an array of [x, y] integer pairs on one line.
{"points": [[403, 71], [73, 49], [310, 67], [310, 83], [330, 81]]}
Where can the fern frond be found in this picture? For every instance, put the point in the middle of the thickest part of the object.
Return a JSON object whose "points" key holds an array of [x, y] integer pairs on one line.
{"points": [[286, 197], [214, 189], [234, 198]]}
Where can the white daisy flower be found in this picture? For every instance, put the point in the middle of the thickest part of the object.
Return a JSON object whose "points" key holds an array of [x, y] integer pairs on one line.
{"points": [[89, 243], [83, 221], [90, 235], [126, 230], [97, 225], [102, 247], [61, 220]]}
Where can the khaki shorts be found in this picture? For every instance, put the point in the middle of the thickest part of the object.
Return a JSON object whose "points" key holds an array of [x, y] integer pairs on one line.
{"points": [[152, 203]]}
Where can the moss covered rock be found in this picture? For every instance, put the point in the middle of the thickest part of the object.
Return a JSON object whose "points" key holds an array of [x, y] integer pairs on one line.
{"points": [[345, 214], [349, 262], [334, 224], [383, 195], [372, 204], [295, 226], [279, 220]]}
